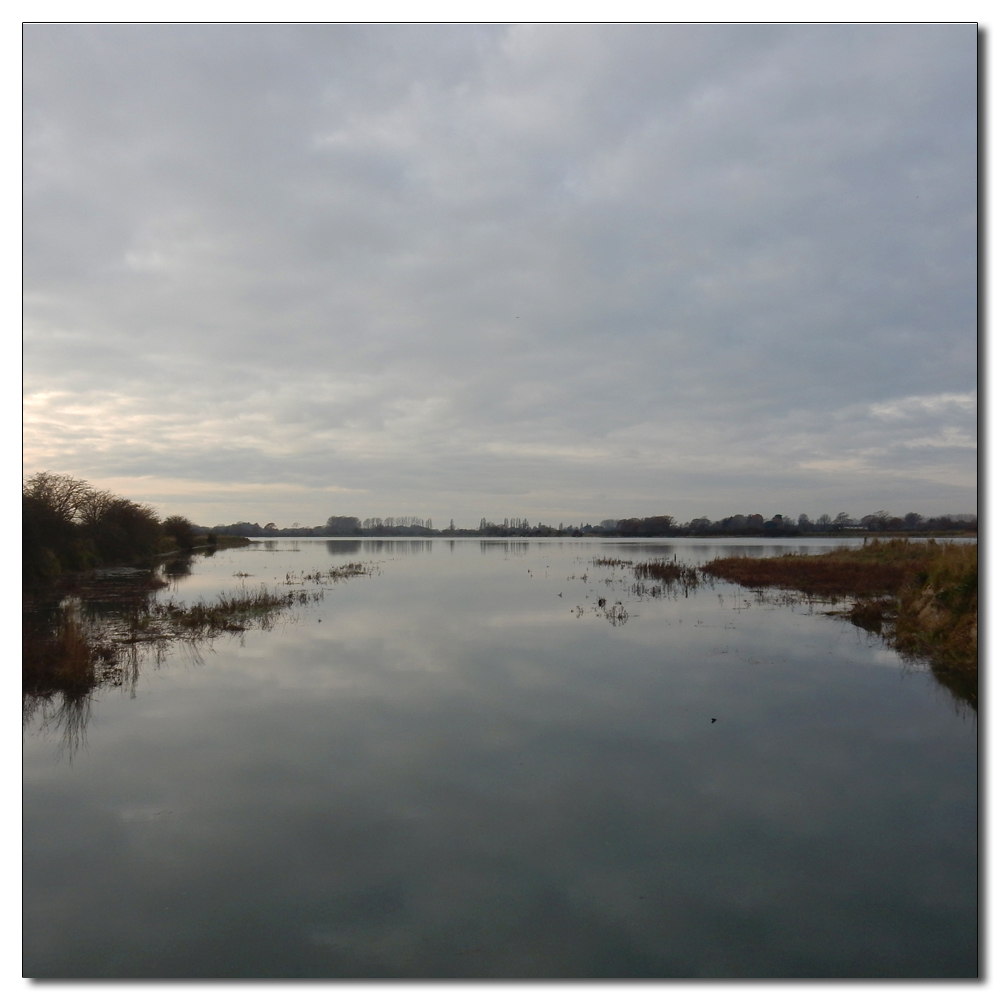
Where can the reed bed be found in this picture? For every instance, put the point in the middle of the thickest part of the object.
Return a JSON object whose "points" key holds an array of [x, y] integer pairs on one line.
{"points": [[829, 575], [878, 568]]}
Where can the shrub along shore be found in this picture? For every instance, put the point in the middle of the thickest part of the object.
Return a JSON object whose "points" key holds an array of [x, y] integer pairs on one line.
{"points": [[69, 526], [92, 564], [922, 597]]}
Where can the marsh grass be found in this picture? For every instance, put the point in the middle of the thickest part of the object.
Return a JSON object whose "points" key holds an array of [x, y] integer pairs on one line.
{"points": [[667, 572], [333, 575], [921, 597], [229, 612], [837, 574]]}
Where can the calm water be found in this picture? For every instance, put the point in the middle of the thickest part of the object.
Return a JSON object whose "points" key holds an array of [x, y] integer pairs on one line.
{"points": [[462, 766]]}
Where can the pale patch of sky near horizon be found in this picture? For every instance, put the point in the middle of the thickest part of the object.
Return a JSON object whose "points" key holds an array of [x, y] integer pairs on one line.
{"points": [[556, 272]]}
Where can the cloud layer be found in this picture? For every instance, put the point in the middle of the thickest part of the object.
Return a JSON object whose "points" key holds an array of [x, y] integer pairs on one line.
{"points": [[544, 271]]}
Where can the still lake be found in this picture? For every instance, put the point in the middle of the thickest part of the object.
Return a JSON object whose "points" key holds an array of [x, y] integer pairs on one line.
{"points": [[464, 766]]}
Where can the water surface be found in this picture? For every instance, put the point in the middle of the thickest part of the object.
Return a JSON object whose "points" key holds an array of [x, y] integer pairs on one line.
{"points": [[462, 766]]}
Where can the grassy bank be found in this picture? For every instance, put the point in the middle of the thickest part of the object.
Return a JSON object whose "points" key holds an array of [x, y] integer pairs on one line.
{"points": [[922, 597]]}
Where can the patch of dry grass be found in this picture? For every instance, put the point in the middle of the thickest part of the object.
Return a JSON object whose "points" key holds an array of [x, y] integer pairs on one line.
{"points": [[841, 573]]}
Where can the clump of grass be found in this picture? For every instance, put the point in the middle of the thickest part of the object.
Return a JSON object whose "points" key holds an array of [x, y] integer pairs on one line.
{"points": [[332, 575], [660, 578], [671, 572], [227, 613], [611, 562]]}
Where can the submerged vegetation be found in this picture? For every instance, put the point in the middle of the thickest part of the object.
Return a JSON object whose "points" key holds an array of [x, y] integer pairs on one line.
{"points": [[229, 612], [921, 597]]}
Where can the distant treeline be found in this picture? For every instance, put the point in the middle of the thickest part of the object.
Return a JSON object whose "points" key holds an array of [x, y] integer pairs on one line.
{"points": [[778, 525], [334, 526], [68, 525], [660, 526]]}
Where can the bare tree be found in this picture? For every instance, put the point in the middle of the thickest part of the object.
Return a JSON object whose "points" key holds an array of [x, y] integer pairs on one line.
{"points": [[64, 496]]}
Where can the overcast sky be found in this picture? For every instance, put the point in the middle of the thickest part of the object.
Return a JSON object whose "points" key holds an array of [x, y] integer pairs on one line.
{"points": [[556, 272]]}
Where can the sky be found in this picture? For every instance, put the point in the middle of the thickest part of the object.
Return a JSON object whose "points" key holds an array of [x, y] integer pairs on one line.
{"points": [[557, 272]]}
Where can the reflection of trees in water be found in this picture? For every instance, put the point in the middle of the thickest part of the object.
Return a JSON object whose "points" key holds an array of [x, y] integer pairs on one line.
{"points": [[177, 568], [514, 547], [343, 547], [67, 716], [963, 688], [101, 634], [398, 546], [60, 698], [67, 656]]}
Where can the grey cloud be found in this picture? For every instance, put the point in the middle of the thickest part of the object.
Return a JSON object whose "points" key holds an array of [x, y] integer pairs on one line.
{"points": [[436, 263]]}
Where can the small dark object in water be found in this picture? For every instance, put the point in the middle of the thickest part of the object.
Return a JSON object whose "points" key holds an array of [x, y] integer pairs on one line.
{"points": [[713, 720]]}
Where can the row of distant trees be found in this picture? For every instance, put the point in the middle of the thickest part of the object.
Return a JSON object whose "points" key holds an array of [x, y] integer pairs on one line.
{"points": [[68, 525], [780, 524], [336, 526], [663, 525]]}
